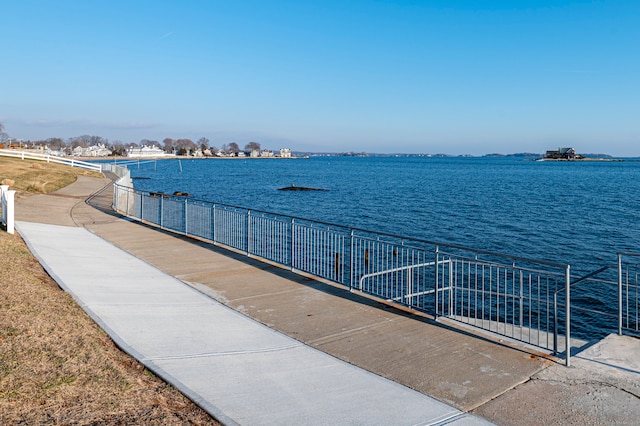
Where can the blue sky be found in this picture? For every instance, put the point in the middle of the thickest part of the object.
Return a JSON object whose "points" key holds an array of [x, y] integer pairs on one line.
{"points": [[457, 77]]}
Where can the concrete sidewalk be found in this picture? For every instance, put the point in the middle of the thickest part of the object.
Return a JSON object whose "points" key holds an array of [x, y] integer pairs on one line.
{"points": [[237, 369], [467, 373]]}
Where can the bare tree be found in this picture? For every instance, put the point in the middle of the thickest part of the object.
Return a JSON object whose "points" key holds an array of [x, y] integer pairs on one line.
{"points": [[87, 140], [169, 145], [252, 146], [117, 148], [55, 143], [234, 148], [149, 142], [203, 143], [185, 146]]}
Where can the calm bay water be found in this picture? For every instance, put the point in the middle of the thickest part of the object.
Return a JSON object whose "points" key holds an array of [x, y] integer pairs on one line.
{"points": [[577, 213]]}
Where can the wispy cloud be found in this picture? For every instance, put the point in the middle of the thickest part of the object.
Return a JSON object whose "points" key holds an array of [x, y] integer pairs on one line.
{"points": [[166, 35], [93, 124]]}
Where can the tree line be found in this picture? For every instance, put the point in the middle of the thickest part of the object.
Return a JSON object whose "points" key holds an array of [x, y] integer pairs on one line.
{"points": [[182, 146]]}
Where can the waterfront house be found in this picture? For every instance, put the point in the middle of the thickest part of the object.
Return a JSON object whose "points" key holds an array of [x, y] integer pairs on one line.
{"points": [[562, 154], [145, 151], [285, 153], [99, 150]]}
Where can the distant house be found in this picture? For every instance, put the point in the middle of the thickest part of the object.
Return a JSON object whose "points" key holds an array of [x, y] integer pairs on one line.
{"points": [[266, 153], [145, 151], [55, 153], [99, 150], [562, 154], [285, 153]]}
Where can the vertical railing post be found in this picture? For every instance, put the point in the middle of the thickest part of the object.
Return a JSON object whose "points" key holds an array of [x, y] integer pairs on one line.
{"points": [[620, 308], [408, 298], [249, 233], [213, 223], [555, 322], [435, 284], [452, 285], [521, 319], [129, 195], [114, 199], [141, 206], [293, 244], [161, 211], [568, 315], [351, 260], [186, 217]]}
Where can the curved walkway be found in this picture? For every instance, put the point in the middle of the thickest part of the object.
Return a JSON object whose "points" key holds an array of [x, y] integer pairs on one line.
{"points": [[265, 346], [237, 369]]}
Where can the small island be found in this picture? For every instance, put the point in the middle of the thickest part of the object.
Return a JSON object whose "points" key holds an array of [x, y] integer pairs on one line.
{"points": [[569, 154]]}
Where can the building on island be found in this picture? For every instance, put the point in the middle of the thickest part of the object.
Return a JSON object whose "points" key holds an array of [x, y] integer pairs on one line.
{"points": [[562, 154], [145, 151]]}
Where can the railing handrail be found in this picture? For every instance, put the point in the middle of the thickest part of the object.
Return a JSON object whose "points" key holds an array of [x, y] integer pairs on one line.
{"points": [[628, 253], [587, 276], [379, 234], [332, 252], [402, 268], [50, 158]]}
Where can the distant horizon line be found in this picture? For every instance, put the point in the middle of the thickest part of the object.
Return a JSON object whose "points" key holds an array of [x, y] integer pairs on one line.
{"points": [[405, 154]]}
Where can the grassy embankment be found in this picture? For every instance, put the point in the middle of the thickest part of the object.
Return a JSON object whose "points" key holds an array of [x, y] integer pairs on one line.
{"points": [[56, 365]]}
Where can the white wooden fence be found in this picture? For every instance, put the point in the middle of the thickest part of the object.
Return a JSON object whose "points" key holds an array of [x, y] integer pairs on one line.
{"points": [[7, 195]]}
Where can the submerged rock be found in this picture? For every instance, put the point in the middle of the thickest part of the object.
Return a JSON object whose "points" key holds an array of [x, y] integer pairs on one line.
{"points": [[300, 188]]}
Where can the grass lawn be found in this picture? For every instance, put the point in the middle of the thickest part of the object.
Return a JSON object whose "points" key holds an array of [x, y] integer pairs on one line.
{"points": [[56, 365]]}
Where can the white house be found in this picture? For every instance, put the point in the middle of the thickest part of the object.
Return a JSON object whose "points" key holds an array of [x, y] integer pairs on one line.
{"points": [[285, 153], [56, 153], [98, 150], [145, 151]]}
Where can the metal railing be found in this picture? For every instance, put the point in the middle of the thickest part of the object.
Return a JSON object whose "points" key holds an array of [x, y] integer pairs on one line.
{"points": [[507, 295], [628, 292], [26, 155], [513, 297], [613, 295]]}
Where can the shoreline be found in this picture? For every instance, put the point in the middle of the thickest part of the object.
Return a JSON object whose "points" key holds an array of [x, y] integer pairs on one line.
{"points": [[181, 157], [582, 160]]}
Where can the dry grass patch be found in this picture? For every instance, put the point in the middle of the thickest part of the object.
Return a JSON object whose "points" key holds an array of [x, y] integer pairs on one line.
{"points": [[32, 176], [58, 367]]}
